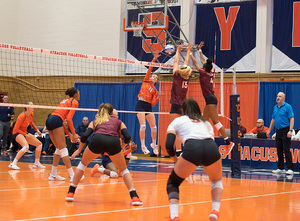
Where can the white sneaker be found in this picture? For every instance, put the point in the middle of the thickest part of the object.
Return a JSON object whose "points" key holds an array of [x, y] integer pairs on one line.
{"points": [[278, 171], [72, 177], [56, 178], [13, 166], [145, 150], [38, 166], [290, 172], [155, 148]]}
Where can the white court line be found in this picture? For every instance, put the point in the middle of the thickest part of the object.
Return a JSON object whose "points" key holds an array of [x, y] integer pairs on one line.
{"points": [[60, 186], [155, 207]]}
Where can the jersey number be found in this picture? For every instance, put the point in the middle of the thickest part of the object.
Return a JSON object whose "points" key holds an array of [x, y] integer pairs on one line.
{"points": [[185, 84]]}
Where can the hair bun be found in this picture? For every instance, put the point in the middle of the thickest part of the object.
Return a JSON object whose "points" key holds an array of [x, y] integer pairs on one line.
{"points": [[209, 61]]}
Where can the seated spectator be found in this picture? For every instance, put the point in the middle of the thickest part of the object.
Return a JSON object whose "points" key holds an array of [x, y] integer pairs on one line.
{"points": [[243, 130], [80, 130], [260, 127]]}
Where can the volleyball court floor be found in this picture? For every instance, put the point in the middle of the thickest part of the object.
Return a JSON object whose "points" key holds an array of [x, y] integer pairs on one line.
{"points": [[26, 194]]}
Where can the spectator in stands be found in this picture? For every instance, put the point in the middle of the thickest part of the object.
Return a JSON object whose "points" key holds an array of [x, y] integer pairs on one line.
{"points": [[260, 127], [47, 141], [283, 120], [80, 130], [6, 114]]}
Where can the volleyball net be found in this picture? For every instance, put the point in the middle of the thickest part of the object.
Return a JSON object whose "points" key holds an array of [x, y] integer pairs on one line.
{"points": [[42, 77]]}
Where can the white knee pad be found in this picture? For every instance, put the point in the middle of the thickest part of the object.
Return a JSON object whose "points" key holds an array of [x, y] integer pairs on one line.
{"points": [[25, 148], [57, 151], [217, 184], [113, 174], [153, 129], [64, 152], [218, 125], [81, 166], [142, 127], [125, 171], [39, 148]]}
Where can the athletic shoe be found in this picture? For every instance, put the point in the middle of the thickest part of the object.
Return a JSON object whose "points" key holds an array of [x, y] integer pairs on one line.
{"points": [[38, 166], [229, 148], [56, 178], [29, 152], [175, 219], [278, 171], [69, 197], [155, 148], [72, 177], [136, 201], [214, 215], [4, 151], [145, 150], [10, 150], [94, 170], [289, 172], [44, 152], [13, 166]]}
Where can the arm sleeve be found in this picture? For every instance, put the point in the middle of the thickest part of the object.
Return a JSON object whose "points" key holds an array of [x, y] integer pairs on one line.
{"points": [[18, 124], [33, 126], [86, 135], [70, 116], [126, 135], [170, 143], [155, 99], [147, 77]]}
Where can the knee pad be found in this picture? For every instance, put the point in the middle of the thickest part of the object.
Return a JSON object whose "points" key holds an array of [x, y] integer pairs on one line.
{"points": [[125, 171], [173, 184], [218, 125], [143, 127], [81, 166], [25, 148], [64, 152], [57, 151], [39, 148], [217, 184], [113, 174], [153, 129]]}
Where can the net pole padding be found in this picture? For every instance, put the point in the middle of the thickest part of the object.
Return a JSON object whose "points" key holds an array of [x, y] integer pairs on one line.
{"points": [[234, 87], [235, 135], [222, 92], [70, 108]]}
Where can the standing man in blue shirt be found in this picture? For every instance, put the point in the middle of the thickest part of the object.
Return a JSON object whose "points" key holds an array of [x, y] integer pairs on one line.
{"points": [[283, 119], [6, 113]]}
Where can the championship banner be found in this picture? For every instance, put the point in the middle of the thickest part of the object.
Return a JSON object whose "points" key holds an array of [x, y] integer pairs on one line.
{"points": [[229, 33], [138, 49], [286, 36]]}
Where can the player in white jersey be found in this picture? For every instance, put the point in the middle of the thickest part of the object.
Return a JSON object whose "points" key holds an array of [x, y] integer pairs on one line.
{"points": [[197, 136]]}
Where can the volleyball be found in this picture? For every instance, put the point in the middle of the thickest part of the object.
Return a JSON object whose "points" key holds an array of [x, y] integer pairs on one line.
{"points": [[169, 49]]}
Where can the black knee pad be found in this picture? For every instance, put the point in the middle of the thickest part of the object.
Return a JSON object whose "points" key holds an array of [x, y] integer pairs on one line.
{"points": [[173, 184]]}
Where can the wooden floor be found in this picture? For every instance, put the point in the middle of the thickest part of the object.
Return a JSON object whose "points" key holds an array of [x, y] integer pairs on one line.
{"points": [[28, 195]]}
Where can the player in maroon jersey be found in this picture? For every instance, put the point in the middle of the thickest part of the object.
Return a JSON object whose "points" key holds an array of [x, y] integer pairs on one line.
{"points": [[181, 78], [206, 81]]}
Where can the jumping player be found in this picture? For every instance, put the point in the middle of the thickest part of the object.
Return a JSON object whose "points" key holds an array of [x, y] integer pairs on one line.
{"points": [[199, 149], [206, 81], [147, 98], [57, 130], [105, 139], [24, 139], [181, 78]]}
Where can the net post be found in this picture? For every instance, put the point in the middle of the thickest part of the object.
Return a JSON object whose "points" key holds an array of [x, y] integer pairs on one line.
{"points": [[234, 88], [222, 92], [235, 135]]}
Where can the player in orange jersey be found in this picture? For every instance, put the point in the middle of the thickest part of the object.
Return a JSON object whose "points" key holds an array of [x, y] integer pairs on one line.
{"points": [[147, 98], [57, 130], [24, 139]]}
